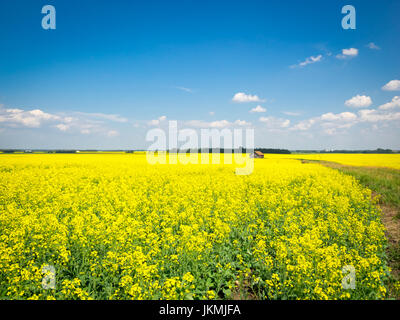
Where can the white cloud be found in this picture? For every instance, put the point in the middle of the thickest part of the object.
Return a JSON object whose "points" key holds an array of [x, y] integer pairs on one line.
{"points": [[348, 53], [308, 60], [211, 113], [304, 125], [275, 123], [371, 115], [242, 123], [225, 123], [393, 85], [105, 116], [390, 105], [156, 122], [14, 110], [293, 114], [219, 124], [32, 118], [216, 124], [258, 109], [82, 122], [241, 97], [329, 122], [285, 123], [112, 133], [359, 102], [185, 89], [373, 46], [344, 116], [69, 119], [62, 127], [85, 124]]}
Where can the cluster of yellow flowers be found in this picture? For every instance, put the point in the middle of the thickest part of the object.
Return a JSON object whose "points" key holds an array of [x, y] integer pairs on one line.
{"points": [[116, 227], [358, 160]]}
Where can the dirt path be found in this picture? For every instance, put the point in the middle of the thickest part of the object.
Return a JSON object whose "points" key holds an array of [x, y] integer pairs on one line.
{"points": [[391, 223]]}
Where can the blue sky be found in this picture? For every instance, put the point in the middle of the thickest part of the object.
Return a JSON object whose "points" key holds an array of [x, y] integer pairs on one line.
{"points": [[111, 71]]}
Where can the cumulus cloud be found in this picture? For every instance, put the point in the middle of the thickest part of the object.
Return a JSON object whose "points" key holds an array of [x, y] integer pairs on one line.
{"points": [[304, 125], [348, 53], [359, 102], [241, 97], [331, 123], [393, 85], [32, 118], [371, 115], [309, 60], [392, 104], [275, 123], [328, 122], [344, 116], [78, 122], [258, 109]]}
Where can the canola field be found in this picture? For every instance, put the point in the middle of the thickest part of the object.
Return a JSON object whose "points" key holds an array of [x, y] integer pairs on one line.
{"points": [[358, 160], [112, 226]]}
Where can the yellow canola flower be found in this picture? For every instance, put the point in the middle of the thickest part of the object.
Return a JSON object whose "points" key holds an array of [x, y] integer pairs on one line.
{"points": [[115, 227]]}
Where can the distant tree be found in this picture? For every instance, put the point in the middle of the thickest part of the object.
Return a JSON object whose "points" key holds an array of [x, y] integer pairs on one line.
{"points": [[277, 151]]}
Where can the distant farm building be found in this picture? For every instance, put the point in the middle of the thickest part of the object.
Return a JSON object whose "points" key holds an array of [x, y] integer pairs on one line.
{"points": [[257, 154]]}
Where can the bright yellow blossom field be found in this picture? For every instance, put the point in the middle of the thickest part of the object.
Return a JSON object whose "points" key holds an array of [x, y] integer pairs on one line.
{"points": [[115, 227], [358, 160]]}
